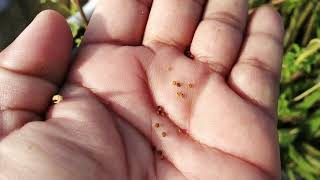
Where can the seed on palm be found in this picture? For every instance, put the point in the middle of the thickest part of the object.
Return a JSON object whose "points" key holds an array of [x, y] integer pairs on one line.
{"points": [[57, 99]]}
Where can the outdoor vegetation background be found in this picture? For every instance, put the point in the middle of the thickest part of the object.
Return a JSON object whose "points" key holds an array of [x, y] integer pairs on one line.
{"points": [[299, 100]]}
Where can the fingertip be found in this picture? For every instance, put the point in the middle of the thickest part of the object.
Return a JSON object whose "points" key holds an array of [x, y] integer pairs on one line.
{"points": [[267, 17], [43, 49]]}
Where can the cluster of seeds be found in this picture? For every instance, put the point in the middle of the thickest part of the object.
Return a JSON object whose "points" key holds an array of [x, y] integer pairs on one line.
{"points": [[180, 84], [160, 111], [180, 94], [176, 83]]}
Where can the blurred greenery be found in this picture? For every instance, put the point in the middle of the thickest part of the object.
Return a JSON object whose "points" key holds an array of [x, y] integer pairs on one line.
{"points": [[299, 99], [20, 13]]}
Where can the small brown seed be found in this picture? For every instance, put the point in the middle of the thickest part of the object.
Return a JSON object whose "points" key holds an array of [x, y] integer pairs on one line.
{"points": [[176, 83], [190, 85], [157, 125], [180, 94], [57, 99], [164, 134], [160, 111]]}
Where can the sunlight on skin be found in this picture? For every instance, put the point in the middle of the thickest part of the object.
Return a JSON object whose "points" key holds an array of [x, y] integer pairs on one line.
{"points": [[109, 124]]}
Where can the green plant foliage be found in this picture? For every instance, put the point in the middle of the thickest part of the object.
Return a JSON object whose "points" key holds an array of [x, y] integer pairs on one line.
{"points": [[299, 99]]}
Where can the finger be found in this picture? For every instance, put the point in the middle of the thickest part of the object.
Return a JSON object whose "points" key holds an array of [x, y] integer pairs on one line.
{"points": [[173, 22], [219, 35], [182, 151], [79, 141], [118, 21], [256, 75], [31, 68]]}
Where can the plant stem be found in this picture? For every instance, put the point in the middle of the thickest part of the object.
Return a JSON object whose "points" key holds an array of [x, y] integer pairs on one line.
{"points": [[86, 22], [311, 24], [308, 92], [306, 11], [291, 28]]}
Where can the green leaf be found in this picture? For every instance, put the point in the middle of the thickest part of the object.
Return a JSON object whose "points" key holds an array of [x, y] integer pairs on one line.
{"points": [[74, 29], [311, 150], [312, 125], [310, 100], [311, 49], [302, 164], [287, 136]]}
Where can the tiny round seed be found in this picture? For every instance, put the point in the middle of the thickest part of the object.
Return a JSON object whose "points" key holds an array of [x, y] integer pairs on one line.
{"points": [[176, 83], [180, 94], [57, 99], [164, 134], [160, 111], [157, 125], [190, 85]]}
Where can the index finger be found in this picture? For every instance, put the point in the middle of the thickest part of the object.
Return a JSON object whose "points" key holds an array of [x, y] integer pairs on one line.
{"points": [[118, 22]]}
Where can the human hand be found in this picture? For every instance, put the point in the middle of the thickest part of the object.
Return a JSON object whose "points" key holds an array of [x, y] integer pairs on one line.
{"points": [[218, 111]]}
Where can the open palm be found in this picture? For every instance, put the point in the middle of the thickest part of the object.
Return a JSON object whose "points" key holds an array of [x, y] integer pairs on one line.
{"points": [[135, 106]]}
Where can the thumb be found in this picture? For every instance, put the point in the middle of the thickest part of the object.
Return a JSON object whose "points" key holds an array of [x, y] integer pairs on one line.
{"points": [[31, 69]]}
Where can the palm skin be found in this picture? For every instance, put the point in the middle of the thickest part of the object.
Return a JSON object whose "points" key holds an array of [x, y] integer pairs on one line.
{"points": [[108, 127]]}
